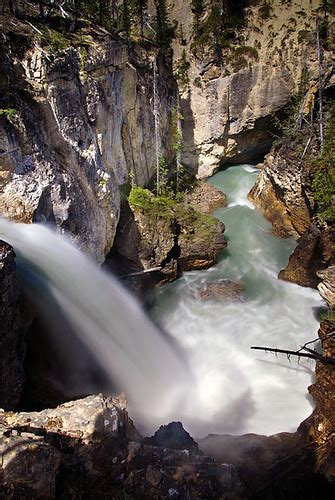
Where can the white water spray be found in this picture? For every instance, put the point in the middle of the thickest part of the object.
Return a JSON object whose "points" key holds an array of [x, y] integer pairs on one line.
{"points": [[136, 357], [156, 113], [231, 389], [238, 390]]}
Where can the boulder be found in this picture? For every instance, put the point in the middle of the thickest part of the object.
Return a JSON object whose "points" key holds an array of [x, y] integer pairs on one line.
{"points": [[312, 253], [222, 290], [89, 448], [206, 197]]}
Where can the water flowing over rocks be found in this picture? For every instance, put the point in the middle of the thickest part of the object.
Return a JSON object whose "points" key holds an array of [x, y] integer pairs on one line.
{"points": [[221, 290]]}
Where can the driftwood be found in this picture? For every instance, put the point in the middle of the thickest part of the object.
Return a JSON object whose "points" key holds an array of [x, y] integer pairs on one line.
{"points": [[310, 353]]}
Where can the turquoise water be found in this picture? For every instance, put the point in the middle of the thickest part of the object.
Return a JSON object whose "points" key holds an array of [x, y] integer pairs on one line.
{"points": [[238, 390]]}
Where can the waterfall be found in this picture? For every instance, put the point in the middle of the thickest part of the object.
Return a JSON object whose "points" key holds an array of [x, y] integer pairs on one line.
{"points": [[156, 113], [138, 359]]}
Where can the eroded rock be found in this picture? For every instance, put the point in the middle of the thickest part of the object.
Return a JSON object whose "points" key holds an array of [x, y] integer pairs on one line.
{"points": [[312, 253], [207, 198], [90, 448], [83, 122], [178, 238], [221, 290], [15, 316]]}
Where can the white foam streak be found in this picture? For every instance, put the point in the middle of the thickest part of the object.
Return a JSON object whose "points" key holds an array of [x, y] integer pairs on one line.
{"points": [[135, 355], [239, 390]]}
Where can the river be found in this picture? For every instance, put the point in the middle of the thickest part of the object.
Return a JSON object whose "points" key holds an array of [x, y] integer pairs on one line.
{"points": [[238, 390]]}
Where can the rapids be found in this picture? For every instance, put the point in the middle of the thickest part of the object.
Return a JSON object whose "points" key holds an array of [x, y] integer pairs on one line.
{"points": [[239, 390], [199, 369]]}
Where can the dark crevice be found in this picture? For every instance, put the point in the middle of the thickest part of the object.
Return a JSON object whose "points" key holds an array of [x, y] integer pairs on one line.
{"points": [[175, 252]]}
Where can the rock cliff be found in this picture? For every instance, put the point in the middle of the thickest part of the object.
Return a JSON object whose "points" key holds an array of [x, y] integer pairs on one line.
{"points": [[15, 317], [82, 120], [235, 73]]}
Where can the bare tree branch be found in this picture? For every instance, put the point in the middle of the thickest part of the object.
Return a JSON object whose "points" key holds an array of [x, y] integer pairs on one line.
{"points": [[309, 354]]}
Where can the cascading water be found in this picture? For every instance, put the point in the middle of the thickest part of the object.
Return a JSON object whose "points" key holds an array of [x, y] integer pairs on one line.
{"points": [[231, 389], [238, 390], [64, 283], [156, 113]]}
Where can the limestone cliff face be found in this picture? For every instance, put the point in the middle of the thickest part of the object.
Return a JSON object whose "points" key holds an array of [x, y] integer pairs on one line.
{"points": [[84, 120], [227, 107]]}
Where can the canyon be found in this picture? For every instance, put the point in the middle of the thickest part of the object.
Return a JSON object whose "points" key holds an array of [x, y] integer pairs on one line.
{"points": [[86, 118]]}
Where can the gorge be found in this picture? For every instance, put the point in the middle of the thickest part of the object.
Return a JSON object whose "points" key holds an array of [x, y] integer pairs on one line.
{"points": [[111, 119]]}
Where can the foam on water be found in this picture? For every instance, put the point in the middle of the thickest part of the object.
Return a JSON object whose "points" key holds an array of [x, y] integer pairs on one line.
{"points": [[202, 371], [69, 288], [239, 390]]}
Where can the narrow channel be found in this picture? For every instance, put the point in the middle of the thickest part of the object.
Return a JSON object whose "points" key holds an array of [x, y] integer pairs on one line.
{"points": [[238, 390]]}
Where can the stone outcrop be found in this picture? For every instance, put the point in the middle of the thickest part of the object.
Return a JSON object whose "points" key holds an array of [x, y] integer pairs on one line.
{"points": [[173, 436], [90, 448], [15, 316], [327, 285], [281, 194], [221, 290], [313, 253], [277, 466], [227, 107], [206, 198], [177, 238], [83, 120]]}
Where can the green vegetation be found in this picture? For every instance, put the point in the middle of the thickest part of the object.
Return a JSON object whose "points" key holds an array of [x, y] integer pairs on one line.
{"points": [[176, 138], [197, 82], [145, 200], [265, 10], [173, 208], [323, 184], [181, 69], [240, 55], [217, 30], [8, 113], [57, 23], [56, 41], [164, 30]]}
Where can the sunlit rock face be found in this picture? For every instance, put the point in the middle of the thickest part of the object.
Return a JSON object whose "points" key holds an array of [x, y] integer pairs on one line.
{"points": [[227, 107], [90, 448], [84, 121]]}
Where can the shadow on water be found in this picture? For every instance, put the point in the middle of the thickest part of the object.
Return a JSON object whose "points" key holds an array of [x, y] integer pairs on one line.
{"points": [[58, 365]]}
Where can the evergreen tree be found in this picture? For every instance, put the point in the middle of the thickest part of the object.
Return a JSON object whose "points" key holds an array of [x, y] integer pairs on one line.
{"points": [[164, 30]]}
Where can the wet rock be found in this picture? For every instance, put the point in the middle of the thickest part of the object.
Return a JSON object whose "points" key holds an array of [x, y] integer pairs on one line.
{"points": [[15, 316], [319, 428], [177, 239], [221, 290], [86, 449], [277, 466], [280, 194], [312, 253], [173, 436], [327, 285], [207, 198]]}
